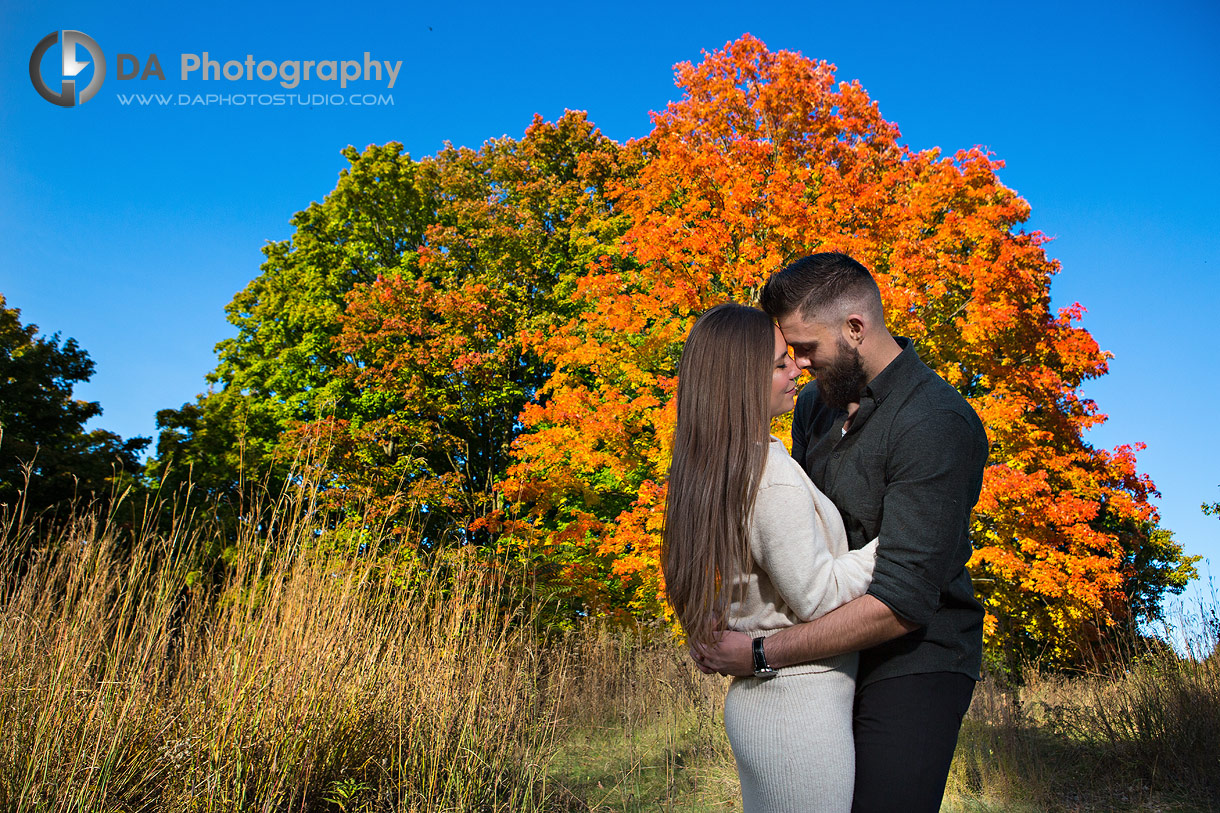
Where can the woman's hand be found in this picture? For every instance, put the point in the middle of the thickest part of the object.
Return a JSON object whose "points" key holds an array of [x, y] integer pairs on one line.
{"points": [[732, 654]]}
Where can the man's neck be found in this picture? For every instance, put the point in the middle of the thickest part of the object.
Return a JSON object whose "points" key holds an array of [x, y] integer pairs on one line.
{"points": [[877, 358]]}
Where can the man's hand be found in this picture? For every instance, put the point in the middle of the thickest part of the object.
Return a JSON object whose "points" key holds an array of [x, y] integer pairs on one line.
{"points": [[732, 654]]}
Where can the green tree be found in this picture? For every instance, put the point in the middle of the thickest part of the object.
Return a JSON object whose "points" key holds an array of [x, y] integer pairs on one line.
{"points": [[441, 349], [45, 451], [385, 350]]}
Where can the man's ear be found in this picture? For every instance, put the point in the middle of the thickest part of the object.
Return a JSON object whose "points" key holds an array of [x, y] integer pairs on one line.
{"points": [[855, 328]]}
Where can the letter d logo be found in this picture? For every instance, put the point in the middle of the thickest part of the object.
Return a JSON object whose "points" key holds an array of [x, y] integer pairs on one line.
{"points": [[69, 68]]}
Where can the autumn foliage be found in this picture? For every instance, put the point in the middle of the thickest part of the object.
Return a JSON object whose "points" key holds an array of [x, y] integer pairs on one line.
{"points": [[499, 331]]}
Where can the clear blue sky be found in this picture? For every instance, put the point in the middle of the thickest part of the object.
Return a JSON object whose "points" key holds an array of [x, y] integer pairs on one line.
{"points": [[130, 228]]}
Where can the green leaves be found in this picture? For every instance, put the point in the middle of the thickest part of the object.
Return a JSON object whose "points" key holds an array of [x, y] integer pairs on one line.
{"points": [[390, 341], [42, 427]]}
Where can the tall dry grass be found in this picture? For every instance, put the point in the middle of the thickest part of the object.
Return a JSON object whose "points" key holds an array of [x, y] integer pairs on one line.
{"points": [[1140, 734], [639, 728], [302, 681], [313, 678]]}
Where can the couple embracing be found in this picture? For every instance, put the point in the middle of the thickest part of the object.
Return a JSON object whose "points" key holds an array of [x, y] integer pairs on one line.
{"points": [[781, 568]]}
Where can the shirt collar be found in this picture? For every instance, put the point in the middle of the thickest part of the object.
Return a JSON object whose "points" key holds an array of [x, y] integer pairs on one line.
{"points": [[896, 373]]}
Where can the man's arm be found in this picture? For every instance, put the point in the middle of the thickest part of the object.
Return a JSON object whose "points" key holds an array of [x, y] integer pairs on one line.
{"points": [[934, 472], [858, 624]]}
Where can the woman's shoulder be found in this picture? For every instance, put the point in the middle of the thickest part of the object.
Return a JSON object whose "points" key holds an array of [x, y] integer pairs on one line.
{"points": [[781, 470]]}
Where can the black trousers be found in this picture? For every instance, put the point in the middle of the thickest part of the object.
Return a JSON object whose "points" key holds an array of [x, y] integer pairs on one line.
{"points": [[906, 730]]}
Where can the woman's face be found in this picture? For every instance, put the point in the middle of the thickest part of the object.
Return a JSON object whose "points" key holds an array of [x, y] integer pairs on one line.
{"points": [[783, 377]]}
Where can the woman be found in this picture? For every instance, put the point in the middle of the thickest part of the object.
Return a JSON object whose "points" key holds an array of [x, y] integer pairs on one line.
{"points": [[750, 544]]}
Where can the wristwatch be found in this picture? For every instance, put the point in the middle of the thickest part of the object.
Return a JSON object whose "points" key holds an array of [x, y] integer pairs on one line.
{"points": [[761, 669]]}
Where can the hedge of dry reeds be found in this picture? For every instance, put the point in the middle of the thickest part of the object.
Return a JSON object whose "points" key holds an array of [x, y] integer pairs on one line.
{"points": [[1140, 732], [300, 681], [309, 677]]}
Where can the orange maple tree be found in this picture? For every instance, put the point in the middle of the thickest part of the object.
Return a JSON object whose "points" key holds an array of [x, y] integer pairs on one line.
{"points": [[767, 158], [482, 344]]}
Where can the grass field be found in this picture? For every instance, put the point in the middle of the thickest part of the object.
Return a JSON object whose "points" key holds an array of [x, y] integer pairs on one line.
{"points": [[306, 680], [644, 734]]}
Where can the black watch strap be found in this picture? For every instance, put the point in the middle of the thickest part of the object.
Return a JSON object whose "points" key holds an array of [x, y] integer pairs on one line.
{"points": [[761, 669]]}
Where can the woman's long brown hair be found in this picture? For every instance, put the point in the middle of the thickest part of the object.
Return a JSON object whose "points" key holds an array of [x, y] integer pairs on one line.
{"points": [[720, 447]]}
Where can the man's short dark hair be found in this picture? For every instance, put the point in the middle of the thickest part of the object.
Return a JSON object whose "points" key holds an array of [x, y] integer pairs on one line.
{"points": [[814, 284]]}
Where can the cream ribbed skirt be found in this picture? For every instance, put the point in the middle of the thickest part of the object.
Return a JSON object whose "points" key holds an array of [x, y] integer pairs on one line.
{"points": [[792, 739]]}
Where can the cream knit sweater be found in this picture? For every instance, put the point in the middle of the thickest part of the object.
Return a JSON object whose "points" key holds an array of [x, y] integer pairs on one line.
{"points": [[802, 566], [792, 735]]}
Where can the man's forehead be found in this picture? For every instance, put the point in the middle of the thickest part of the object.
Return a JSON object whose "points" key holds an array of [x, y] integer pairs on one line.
{"points": [[798, 330]]}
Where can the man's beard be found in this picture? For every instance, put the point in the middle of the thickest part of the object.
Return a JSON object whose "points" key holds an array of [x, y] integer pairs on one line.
{"points": [[842, 381]]}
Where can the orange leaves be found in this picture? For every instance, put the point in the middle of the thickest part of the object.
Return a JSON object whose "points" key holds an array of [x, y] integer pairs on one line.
{"points": [[766, 158], [505, 343]]}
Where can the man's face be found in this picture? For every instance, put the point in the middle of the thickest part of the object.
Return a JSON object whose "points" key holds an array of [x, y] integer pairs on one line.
{"points": [[820, 348]]}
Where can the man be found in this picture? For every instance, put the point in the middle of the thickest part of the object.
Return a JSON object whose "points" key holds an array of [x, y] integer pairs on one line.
{"points": [[901, 454]]}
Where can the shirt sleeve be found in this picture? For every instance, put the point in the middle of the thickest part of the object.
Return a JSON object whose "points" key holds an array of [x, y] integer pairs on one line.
{"points": [[788, 542], [933, 481]]}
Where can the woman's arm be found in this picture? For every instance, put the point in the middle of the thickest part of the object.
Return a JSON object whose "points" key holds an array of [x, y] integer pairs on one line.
{"points": [[788, 539]]}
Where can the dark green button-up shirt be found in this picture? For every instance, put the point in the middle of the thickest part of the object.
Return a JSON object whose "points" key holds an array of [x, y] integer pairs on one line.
{"points": [[909, 470]]}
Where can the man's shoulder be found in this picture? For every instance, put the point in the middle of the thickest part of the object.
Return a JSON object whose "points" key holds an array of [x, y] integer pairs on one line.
{"points": [[807, 400], [934, 420], [929, 396]]}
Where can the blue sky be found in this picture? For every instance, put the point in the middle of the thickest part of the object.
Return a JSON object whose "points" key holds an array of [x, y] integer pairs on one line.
{"points": [[130, 227]]}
